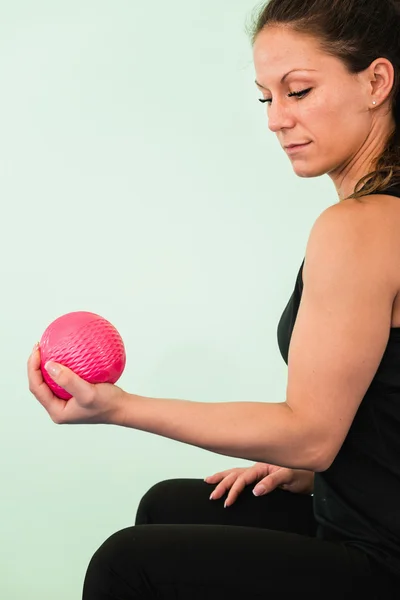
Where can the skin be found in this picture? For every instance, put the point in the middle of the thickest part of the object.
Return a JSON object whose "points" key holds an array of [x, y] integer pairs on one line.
{"points": [[346, 132], [345, 129]]}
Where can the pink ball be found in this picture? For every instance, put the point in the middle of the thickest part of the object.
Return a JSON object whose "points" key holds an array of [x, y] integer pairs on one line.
{"points": [[85, 343]]}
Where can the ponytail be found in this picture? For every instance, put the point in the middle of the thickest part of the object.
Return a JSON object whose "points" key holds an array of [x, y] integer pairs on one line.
{"points": [[387, 165], [356, 32]]}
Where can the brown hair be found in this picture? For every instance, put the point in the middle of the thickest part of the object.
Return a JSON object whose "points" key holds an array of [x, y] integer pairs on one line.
{"points": [[357, 32]]}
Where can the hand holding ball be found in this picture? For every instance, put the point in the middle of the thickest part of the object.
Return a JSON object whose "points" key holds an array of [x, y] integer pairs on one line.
{"points": [[87, 344]]}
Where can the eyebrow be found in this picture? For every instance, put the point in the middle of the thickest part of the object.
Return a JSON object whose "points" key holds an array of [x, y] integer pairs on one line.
{"points": [[284, 77]]}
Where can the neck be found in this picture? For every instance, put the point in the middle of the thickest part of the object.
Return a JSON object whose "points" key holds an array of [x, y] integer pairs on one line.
{"points": [[346, 177]]}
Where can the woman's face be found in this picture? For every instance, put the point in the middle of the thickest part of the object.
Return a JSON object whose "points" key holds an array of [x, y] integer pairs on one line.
{"points": [[333, 118]]}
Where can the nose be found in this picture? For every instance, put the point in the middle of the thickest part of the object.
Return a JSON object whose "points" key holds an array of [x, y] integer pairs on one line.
{"points": [[279, 117]]}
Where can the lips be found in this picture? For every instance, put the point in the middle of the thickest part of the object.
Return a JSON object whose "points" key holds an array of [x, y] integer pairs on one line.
{"points": [[288, 146], [293, 149]]}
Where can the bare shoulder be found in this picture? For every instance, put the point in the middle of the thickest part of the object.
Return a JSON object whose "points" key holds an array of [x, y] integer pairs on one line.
{"points": [[365, 231], [344, 319]]}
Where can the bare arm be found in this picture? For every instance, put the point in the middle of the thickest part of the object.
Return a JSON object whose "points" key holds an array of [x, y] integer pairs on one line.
{"points": [[338, 341], [259, 431]]}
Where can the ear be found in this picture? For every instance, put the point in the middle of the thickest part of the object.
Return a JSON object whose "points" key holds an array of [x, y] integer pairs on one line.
{"points": [[380, 77]]}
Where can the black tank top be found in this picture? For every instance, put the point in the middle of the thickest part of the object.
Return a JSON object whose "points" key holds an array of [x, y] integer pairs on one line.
{"points": [[357, 499]]}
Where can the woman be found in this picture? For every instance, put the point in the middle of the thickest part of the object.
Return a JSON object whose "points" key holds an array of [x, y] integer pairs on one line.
{"points": [[328, 71]]}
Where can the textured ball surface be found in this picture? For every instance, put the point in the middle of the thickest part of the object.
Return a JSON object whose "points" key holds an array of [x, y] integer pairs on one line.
{"points": [[87, 344]]}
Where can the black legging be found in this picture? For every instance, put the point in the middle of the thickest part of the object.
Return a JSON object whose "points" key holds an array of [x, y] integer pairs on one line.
{"points": [[187, 547]]}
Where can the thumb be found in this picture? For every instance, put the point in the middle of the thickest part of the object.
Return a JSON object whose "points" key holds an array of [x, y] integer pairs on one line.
{"points": [[68, 380]]}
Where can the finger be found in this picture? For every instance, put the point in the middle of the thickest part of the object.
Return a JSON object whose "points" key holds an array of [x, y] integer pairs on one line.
{"points": [[217, 476], [246, 478], [37, 385], [223, 486], [33, 365], [80, 389], [270, 483]]}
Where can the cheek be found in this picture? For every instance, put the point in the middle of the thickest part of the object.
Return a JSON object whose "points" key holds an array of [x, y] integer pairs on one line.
{"points": [[336, 135], [336, 128], [337, 125], [323, 115]]}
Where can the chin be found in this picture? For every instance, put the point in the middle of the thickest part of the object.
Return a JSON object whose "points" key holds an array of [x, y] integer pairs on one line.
{"points": [[308, 170]]}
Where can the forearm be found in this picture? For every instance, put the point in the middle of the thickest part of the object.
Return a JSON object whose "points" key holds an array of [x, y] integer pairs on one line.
{"points": [[257, 431]]}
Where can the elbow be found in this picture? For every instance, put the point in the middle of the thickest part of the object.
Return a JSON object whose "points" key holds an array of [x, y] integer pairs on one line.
{"points": [[318, 457], [322, 465], [320, 447], [315, 448], [316, 464], [324, 459]]}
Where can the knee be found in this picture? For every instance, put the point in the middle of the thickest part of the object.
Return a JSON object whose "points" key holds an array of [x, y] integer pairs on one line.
{"points": [[101, 574], [155, 499], [168, 500], [161, 489], [118, 569]]}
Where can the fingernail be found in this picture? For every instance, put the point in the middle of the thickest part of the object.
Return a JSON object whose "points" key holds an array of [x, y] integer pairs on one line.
{"points": [[225, 504], [35, 347], [52, 368], [212, 495], [258, 490]]}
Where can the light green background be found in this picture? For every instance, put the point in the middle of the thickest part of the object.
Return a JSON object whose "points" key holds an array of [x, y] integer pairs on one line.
{"points": [[138, 180]]}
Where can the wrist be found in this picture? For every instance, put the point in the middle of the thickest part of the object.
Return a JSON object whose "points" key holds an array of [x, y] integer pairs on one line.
{"points": [[121, 413], [310, 487]]}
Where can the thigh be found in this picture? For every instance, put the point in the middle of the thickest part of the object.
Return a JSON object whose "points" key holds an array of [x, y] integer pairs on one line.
{"points": [[218, 562], [186, 501]]}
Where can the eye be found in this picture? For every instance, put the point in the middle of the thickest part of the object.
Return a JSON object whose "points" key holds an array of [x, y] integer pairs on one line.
{"points": [[299, 95]]}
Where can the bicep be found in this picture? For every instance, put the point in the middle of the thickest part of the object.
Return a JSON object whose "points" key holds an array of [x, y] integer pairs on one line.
{"points": [[340, 334]]}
